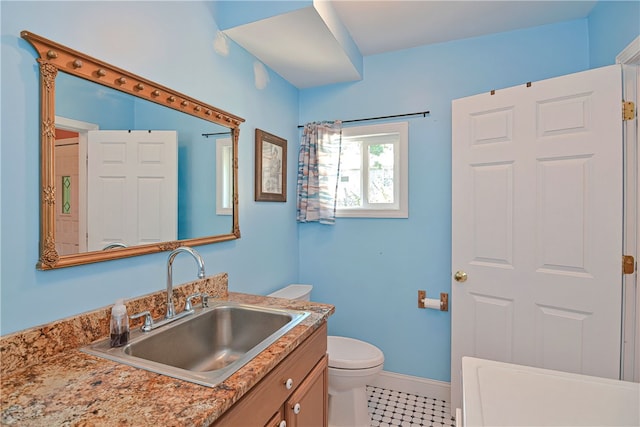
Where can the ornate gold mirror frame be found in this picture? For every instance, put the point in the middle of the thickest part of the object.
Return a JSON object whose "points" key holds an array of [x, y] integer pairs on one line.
{"points": [[55, 57]]}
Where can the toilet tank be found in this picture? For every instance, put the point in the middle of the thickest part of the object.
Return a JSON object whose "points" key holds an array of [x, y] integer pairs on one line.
{"points": [[297, 292]]}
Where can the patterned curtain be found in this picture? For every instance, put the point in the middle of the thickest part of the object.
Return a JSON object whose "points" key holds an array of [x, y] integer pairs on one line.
{"points": [[318, 168]]}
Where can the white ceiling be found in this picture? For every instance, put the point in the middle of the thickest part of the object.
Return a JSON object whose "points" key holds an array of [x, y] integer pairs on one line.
{"points": [[308, 50], [383, 26]]}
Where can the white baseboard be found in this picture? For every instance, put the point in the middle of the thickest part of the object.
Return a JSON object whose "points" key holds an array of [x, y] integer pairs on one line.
{"points": [[414, 385]]}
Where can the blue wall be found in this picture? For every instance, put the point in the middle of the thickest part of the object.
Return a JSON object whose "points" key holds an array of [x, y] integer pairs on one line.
{"points": [[92, 103], [135, 36], [612, 26], [370, 269]]}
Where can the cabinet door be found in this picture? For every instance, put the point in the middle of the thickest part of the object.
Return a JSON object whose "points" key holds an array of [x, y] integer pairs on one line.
{"points": [[277, 420], [307, 406]]}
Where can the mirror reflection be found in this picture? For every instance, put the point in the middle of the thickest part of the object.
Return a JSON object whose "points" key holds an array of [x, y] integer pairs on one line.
{"points": [[128, 167], [133, 172]]}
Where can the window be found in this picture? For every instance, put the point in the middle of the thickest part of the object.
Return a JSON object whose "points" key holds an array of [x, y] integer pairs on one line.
{"points": [[66, 194], [224, 177], [373, 179]]}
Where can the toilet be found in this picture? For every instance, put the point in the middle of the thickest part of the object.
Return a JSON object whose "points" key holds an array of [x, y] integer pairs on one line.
{"points": [[352, 365]]}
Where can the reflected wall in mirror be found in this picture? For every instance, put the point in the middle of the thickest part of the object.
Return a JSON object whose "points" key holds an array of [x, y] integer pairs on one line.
{"points": [[128, 167]]}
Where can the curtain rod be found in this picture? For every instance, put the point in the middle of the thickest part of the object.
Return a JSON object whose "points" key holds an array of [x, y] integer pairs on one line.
{"points": [[420, 113], [207, 135]]}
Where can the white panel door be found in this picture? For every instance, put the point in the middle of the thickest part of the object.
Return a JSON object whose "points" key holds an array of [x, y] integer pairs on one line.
{"points": [[537, 225], [132, 187]]}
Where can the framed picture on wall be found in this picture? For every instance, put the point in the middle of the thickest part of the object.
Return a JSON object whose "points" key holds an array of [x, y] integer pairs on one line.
{"points": [[271, 168]]}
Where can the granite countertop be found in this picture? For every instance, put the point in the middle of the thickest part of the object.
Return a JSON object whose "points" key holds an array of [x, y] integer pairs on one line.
{"points": [[73, 388]]}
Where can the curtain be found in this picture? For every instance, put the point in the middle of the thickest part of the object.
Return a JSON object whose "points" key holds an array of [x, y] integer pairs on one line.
{"points": [[318, 168]]}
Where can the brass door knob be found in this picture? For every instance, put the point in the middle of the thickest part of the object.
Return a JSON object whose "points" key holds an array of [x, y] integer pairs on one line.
{"points": [[460, 276]]}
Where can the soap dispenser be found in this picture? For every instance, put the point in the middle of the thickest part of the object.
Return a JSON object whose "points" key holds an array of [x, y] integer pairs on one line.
{"points": [[119, 324]]}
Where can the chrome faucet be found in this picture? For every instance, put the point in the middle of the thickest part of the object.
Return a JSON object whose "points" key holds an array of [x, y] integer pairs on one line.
{"points": [[171, 311]]}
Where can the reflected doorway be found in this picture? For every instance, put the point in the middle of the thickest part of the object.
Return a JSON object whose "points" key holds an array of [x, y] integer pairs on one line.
{"points": [[77, 190], [66, 177]]}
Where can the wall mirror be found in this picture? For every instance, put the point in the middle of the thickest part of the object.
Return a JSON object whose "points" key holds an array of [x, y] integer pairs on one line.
{"points": [[128, 167]]}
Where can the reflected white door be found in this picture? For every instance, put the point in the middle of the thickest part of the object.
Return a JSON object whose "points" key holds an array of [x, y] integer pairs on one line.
{"points": [[132, 187], [537, 225]]}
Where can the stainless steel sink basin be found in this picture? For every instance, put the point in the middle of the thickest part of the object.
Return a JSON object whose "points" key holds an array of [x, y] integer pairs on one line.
{"points": [[206, 347]]}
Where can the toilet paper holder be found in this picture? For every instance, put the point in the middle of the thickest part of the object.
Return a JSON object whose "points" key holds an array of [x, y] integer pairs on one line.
{"points": [[441, 304]]}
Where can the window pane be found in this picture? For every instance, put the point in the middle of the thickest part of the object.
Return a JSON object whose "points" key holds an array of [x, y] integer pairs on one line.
{"points": [[350, 182], [349, 189], [227, 177], [66, 194], [380, 173]]}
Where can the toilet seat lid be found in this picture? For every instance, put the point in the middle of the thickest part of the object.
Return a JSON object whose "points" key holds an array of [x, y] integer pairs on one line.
{"points": [[349, 353]]}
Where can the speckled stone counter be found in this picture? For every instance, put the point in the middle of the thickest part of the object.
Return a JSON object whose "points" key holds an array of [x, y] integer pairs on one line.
{"points": [[47, 381]]}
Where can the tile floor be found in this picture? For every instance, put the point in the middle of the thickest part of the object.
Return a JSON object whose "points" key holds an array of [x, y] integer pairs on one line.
{"points": [[396, 408]]}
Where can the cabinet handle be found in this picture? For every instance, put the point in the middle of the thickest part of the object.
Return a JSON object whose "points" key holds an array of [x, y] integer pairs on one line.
{"points": [[296, 408], [283, 423], [288, 384]]}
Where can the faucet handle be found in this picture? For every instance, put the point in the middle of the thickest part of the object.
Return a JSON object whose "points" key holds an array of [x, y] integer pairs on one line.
{"points": [[148, 320], [189, 304]]}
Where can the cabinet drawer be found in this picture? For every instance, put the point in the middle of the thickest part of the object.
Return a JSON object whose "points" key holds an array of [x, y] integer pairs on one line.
{"points": [[265, 398]]}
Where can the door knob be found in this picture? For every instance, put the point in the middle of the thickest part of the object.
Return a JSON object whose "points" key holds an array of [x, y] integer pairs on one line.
{"points": [[460, 276]]}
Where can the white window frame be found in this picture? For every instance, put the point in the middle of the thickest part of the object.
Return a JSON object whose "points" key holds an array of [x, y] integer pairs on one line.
{"points": [[401, 173], [224, 177]]}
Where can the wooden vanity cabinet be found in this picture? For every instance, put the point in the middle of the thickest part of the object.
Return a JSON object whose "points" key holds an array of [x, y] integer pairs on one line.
{"points": [[294, 393]]}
